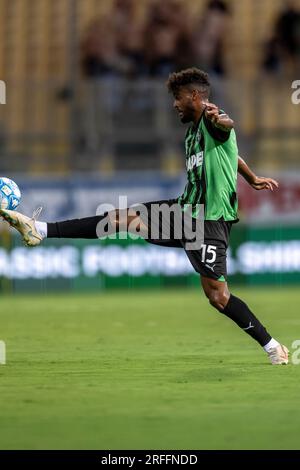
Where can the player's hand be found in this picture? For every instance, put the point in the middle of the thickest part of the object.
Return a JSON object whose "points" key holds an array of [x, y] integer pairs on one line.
{"points": [[211, 111], [261, 182], [222, 121]]}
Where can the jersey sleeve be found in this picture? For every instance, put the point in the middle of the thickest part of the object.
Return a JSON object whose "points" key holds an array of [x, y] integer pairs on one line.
{"points": [[216, 132]]}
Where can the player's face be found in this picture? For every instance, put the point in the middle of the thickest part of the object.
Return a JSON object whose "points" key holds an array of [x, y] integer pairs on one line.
{"points": [[185, 105]]}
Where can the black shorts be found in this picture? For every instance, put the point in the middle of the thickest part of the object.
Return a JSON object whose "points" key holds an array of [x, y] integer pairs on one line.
{"points": [[209, 258]]}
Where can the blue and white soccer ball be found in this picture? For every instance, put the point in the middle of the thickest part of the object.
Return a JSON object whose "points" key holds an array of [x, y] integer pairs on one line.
{"points": [[10, 194]]}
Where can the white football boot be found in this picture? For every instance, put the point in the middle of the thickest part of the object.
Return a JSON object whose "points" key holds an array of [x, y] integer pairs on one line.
{"points": [[279, 355], [25, 225]]}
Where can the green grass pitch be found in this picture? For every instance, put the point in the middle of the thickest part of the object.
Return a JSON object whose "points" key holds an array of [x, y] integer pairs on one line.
{"points": [[150, 369]]}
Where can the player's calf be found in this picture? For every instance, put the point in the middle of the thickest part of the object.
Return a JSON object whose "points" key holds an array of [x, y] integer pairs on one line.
{"points": [[237, 310]]}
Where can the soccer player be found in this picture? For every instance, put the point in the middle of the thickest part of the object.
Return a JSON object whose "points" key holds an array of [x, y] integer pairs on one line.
{"points": [[212, 164]]}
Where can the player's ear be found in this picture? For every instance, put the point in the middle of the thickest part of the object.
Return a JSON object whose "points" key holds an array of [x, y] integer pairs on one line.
{"points": [[195, 95]]}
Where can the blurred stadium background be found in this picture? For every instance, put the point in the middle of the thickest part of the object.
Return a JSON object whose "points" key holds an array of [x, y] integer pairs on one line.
{"points": [[87, 118]]}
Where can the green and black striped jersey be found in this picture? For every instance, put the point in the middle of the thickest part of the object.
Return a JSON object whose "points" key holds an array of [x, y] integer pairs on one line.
{"points": [[211, 163]]}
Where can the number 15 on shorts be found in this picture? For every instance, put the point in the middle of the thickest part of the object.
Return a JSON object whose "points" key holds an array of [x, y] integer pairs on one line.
{"points": [[209, 253]]}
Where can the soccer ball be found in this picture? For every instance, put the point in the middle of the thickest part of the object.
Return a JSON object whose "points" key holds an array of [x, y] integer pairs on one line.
{"points": [[10, 195]]}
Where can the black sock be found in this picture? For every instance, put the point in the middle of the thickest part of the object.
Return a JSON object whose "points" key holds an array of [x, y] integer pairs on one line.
{"points": [[239, 312], [76, 228]]}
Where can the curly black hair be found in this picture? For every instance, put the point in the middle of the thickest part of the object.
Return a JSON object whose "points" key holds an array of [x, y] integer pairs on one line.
{"points": [[191, 76]]}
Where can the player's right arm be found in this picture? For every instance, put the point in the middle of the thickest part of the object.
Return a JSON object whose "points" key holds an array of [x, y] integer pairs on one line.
{"points": [[257, 182], [218, 118]]}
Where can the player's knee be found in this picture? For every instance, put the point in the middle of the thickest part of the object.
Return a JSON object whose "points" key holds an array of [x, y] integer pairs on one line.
{"points": [[218, 299], [116, 219], [109, 224]]}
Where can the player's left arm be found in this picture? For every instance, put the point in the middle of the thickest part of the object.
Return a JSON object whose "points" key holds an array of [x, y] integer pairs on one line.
{"points": [[257, 182], [220, 125]]}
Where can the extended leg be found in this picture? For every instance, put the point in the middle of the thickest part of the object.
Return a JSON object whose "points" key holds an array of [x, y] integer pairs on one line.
{"points": [[90, 227]]}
